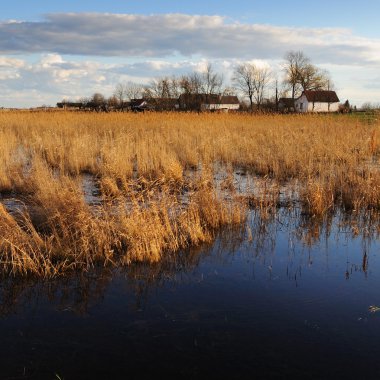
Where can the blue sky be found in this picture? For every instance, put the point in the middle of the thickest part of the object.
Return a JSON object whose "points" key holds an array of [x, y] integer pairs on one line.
{"points": [[50, 49], [361, 17]]}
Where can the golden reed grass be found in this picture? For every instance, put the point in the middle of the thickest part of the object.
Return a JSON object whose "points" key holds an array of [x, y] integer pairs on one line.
{"points": [[155, 172]]}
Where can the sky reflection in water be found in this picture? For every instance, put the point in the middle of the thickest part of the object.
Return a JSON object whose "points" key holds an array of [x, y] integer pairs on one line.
{"points": [[292, 302]]}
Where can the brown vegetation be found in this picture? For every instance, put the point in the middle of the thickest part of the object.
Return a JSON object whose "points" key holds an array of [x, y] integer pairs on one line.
{"points": [[159, 180]]}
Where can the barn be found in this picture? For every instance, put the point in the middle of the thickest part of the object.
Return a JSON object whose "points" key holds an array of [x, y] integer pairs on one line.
{"points": [[317, 101]]}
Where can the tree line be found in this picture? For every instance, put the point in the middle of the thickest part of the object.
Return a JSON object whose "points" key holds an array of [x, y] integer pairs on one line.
{"points": [[257, 84]]}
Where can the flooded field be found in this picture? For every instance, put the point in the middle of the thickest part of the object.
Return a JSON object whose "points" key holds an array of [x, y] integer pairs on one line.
{"points": [[188, 246], [281, 299]]}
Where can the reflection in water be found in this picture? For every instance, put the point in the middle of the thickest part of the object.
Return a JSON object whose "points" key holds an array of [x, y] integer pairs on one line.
{"points": [[310, 234], [286, 296], [259, 241], [79, 291], [76, 292]]}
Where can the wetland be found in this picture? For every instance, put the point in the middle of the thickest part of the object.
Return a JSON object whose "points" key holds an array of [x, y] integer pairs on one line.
{"points": [[189, 245]]}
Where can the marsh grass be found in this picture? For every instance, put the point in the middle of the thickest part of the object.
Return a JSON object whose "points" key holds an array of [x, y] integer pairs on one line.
{"points": [[58, 231], [160, 184]]}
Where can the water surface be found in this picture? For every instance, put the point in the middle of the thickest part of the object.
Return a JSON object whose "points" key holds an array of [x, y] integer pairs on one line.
{"points": [[289, 298]]}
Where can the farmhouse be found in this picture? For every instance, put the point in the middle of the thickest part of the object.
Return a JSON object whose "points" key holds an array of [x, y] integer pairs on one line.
{"points": [[317, 101], [205, 102]]}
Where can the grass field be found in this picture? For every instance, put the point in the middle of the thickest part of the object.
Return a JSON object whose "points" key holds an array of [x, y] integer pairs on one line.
{"points": [[166, 181]]}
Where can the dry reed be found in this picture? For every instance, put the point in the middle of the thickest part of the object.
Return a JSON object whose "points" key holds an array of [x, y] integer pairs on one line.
{"points": [[157, 175]]}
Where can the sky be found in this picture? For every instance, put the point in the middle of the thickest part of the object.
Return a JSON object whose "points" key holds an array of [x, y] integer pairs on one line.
{"points": [[52, 50]]}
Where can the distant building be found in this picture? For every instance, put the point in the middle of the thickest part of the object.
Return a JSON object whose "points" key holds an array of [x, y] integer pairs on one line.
{"points": [[153, 104], [317, 101], [163, 104], [70, 105], [139, 105], [286, 105], [205, 102]]}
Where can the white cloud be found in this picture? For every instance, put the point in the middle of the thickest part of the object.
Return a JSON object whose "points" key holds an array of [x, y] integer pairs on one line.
{"points": [[165, 45], [212, 37], [6, 62], [51, 60], [54, 77], [259, 63], [9, 68], [8, 74]]}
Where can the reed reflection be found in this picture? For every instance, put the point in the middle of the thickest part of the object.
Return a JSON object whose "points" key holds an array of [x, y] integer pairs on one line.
{"points": [[265, 239]]}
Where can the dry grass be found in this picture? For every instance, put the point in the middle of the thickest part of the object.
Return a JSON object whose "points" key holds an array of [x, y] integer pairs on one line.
{"points": [[119, 144], [156, 175], [58, 231]]}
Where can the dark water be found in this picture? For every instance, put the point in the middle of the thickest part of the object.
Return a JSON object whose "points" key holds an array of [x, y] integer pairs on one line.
{"points": [[292, 302]]}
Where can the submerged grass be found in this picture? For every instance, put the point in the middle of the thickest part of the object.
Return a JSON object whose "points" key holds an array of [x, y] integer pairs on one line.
{"points": [[58, 231], [158, 180]]}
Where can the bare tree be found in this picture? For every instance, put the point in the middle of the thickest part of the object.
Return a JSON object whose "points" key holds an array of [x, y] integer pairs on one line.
{"points": [[261, 79], [302, 75], [276, 91], [85, 100], [133, 90], [113, 102], [191, 83], [209, 82], [229, 91], [175, 87], [243, 78], [212, 82], [252, 81], [165, 87], [367, 106], [312, 78], [120, 93], [127, 91], [98, 102], [162, 92], [295, 62]]}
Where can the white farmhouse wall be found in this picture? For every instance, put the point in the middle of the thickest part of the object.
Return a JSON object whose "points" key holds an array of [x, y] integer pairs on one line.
{"points": [[302, 105], [323, 107]]}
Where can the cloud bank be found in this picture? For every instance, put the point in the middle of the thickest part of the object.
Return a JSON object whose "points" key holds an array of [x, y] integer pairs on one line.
{"points": [[212, 37], [66, 55], [54, 77]]}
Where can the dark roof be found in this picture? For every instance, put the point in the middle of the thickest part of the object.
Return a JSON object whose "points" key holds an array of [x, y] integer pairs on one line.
{"points": [[321, 96], [286, 102], [208, 99], [229, 99], [137, 102], [69, 104], [166, 101]]}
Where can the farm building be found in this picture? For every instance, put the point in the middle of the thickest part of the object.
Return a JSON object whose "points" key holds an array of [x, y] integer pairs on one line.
{"points": [[205, 102], [163, 104], [139, 105], [154, 104], [286, 105], [70, 105], [317, 101]]}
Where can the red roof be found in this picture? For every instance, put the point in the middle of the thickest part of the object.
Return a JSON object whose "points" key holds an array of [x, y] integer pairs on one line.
{"points": [[321, 96]]}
